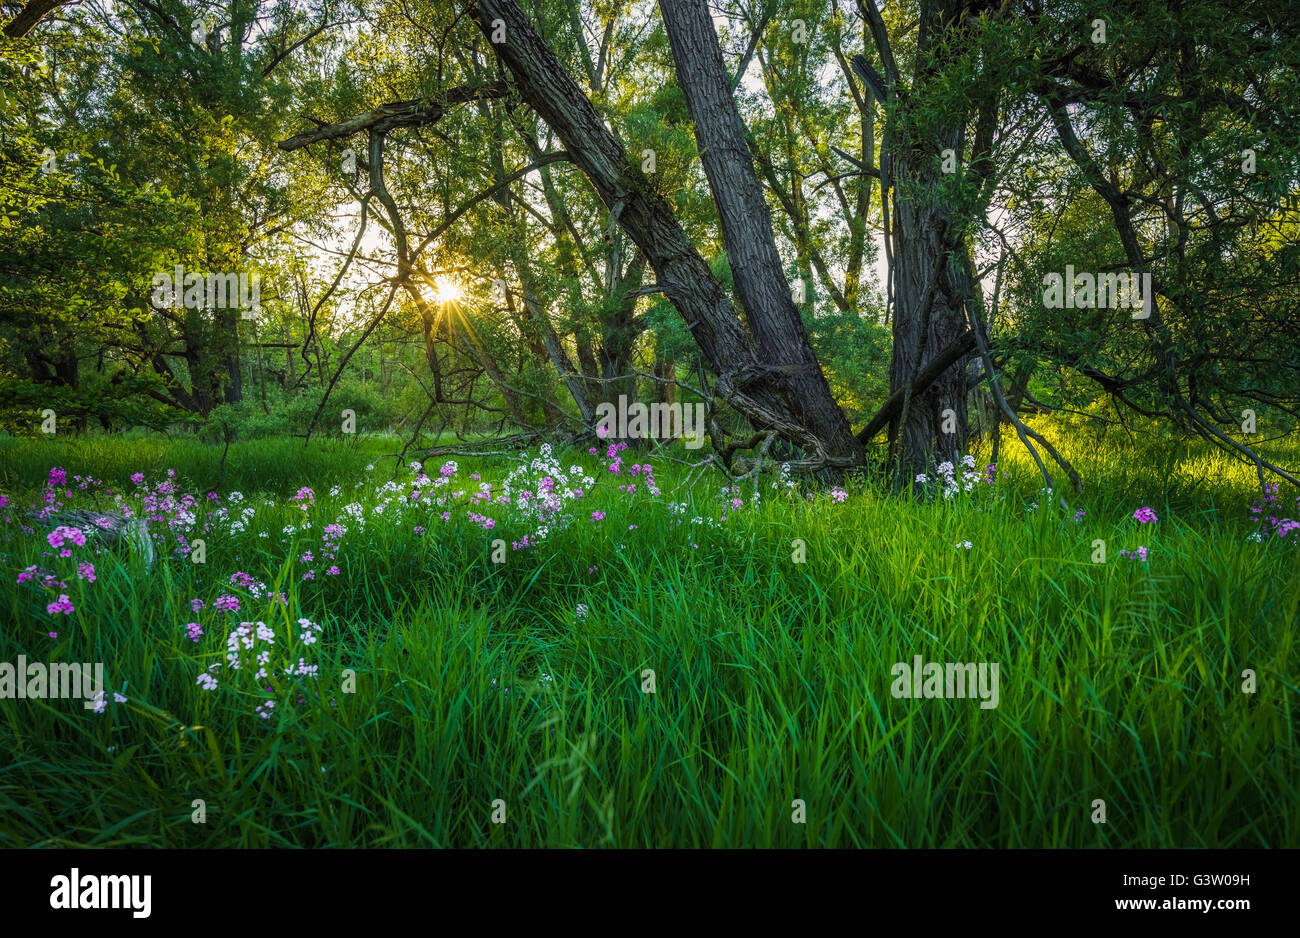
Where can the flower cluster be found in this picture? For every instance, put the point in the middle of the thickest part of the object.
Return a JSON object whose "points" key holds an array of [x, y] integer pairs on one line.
{"points": [[1265, 512], [951, 482]]}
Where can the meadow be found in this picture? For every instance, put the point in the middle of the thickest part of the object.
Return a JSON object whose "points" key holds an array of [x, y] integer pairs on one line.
{"points": [[589, 653]]}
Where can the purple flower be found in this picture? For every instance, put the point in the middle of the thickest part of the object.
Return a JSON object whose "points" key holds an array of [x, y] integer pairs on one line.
{"points": [[226, 603], [62, 604], [1145, 515], [137, 478]]}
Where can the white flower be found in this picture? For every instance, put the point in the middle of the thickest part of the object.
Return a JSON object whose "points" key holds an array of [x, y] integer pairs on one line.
{"points": [[966, 544], [581, 611], [207, 682]]}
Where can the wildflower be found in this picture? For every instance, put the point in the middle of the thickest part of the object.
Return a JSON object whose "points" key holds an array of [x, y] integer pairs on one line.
{"points": [[597, 516], [1145, 515], [207, 681], [118, 698], [964, 545], [226, 603], [60, 535], [137, 478], [193, 631], [60, 605], [86, 571]]}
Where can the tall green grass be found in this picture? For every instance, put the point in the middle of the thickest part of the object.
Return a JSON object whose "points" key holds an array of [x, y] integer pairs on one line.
{"points": [[474, 681]]}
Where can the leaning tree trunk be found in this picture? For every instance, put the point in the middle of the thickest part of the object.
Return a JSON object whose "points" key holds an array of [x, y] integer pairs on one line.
{"points": [[747, 226], [771, 386]]}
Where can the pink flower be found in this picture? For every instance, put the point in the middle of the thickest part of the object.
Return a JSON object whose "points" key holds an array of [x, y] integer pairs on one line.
{"points": [[86, 571], [1145, 515], [332, 571], [226, 603], [597, 516], [62, 604], [62, 533], [57, 477], [137, 478]]}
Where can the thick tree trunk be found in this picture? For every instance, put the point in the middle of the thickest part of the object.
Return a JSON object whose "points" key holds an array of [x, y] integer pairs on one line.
{"points": [[929, 316], [931, 272], [753, 385], [747, 224]]}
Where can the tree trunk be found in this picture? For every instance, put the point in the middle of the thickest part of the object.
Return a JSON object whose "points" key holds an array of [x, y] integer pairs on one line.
{"points": [[754, 386], [747, 225]]}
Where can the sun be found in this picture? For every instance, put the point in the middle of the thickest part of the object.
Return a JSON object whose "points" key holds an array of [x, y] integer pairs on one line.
{"points": [[447, 290]]}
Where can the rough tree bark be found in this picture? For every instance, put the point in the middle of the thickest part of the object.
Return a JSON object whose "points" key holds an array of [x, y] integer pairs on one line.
{"points": [[747, 225], [764, 384]]}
